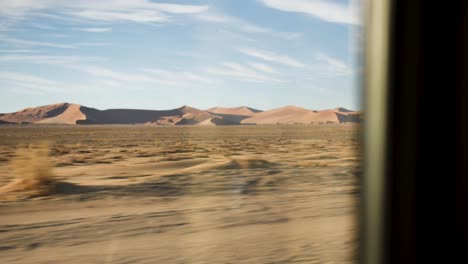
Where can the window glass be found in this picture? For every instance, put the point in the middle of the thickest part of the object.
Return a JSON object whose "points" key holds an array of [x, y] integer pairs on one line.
{"points": [[179, 131]]}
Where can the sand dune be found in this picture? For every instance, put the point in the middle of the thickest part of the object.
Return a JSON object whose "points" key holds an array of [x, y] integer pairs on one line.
{"points": [[298, 115], [36, 114], [71, 115], [65, 113], [284, 115]]}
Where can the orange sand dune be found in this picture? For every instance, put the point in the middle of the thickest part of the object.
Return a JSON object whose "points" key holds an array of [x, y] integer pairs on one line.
{"points": [[36, 114], [298, 115], [71, 115], [65, 113]]}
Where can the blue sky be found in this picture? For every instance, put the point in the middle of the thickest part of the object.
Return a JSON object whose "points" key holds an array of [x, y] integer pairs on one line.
{"points": [[161, 55]]}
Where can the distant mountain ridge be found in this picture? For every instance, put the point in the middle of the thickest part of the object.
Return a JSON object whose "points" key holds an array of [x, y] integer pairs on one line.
{"points": [[67, 113]]}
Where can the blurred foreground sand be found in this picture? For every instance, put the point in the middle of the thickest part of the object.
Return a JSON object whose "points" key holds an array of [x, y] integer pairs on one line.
{"points": [[139, 194]]}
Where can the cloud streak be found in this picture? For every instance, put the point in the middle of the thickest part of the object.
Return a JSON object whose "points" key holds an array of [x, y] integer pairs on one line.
{"points": [[30, 84], [138, 16], [103, 78], [48, 59], [139, 11], [244, 26], [96, 30], [240, 72], [145, 77], [29, 81], [34, 43], [93, 44], [23, 42], [262, 67], [329, 66], [271, 57], [327, 10]]}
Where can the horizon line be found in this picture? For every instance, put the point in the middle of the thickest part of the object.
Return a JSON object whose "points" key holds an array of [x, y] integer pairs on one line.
{"points": [[207, 109]]}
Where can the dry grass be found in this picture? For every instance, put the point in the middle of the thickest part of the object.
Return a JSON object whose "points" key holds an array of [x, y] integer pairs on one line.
{"points": [[225, 191], [32, 170]]}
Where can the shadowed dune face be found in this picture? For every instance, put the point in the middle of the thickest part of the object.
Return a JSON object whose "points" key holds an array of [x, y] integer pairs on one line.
{"points": [[351, 117], [232, 119], [180, 116], [204, 194], [125, 116]]}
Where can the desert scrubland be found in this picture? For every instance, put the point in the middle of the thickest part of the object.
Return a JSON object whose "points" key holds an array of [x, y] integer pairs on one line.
{"points": [[186, 194]]}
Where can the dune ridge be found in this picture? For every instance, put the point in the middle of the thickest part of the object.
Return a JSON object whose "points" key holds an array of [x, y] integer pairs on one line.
{"points": [[71, 114], [241, 110]]}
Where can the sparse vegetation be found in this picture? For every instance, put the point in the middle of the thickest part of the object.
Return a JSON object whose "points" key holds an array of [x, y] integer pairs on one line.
{"points": [[32, 170], [237, 184]]}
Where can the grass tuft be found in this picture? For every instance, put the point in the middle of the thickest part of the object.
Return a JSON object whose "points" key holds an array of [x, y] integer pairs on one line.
{"points": [[32, 170]]}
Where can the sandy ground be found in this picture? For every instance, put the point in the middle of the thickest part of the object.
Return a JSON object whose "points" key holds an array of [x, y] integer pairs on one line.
{"points": [[136, 194]]}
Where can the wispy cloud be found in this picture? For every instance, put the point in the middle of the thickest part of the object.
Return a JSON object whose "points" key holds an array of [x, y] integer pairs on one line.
{"points": [[331, 66], [15, 51], [140, 11], [49, 59], [262, 67], [55, 35], [234, 35], [102, 72], [235, 22], [93, 44], [30, 81], [176, 8], [211, 17], [178, 78], [96, 30], [103, 78], [24, 42], [42, 26], [244, 26], [144, 77], [13, 76], [287, 35], [191, 54], [271, 57], [240, 72], [18, 8], [327, 10], [139, 16], [34, 43], [86, 64], [30, 84]]}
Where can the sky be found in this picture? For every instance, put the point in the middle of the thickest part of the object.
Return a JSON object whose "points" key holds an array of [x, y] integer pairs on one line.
{"points": [[152, 54]]}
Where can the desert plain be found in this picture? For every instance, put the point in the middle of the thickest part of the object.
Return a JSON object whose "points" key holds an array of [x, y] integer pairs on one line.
{"points": [[185, 194]]}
